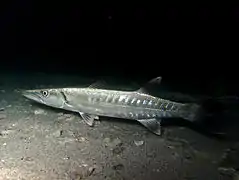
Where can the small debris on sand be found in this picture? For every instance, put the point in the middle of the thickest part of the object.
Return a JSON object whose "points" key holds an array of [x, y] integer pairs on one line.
{"points": [[27, 159], [117, 142], [115, 145], [91, 170], [82, 173], [112, 143], [58, 133], [118, 167], [66, 158], [138, 143], [82, 139], [106, 141], [39, 111], [6, 132]]}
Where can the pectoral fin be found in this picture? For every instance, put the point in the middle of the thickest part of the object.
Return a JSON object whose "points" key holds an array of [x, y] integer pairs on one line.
{"points": [[153, 125], [88, 118]]}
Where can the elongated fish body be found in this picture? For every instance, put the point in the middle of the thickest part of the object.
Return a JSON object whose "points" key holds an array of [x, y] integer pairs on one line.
{"points": [[120, 104], [93, 102]]}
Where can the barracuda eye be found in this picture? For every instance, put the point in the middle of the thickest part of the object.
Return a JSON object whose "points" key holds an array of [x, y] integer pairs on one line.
{"points": [[44, 93]]}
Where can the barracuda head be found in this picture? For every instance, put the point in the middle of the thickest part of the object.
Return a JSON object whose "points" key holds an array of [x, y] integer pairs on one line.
{"points": [[49, 97]]}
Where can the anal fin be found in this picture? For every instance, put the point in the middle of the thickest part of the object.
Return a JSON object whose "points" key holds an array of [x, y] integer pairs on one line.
{"points": [[88, 118], [154, 125]]}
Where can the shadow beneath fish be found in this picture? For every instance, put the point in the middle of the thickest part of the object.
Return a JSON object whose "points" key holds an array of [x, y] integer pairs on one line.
{"points": [[53, 109]]}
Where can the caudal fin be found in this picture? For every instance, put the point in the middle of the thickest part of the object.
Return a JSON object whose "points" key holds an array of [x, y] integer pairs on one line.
{"points": [[192, 112]]}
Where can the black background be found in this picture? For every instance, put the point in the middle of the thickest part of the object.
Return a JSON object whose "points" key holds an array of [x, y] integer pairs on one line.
{"points": [[189, 44]]}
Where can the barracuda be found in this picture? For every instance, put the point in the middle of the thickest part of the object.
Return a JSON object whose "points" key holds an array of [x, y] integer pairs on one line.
{"points": [[92, 102]]}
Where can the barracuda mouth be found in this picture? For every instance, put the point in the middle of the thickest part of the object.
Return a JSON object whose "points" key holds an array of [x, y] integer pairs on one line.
{"points": [[33, 96]]}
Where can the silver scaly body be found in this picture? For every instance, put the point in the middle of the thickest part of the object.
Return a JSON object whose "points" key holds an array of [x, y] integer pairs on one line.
{"points": [[120, 104], [93, 102]]}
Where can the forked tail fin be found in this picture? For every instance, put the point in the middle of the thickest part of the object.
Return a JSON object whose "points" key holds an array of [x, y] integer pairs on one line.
{"points": [[192, 112]]}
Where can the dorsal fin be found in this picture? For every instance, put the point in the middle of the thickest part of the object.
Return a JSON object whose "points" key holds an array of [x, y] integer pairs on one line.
{"points": [[146, 89], [98, 85]]}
